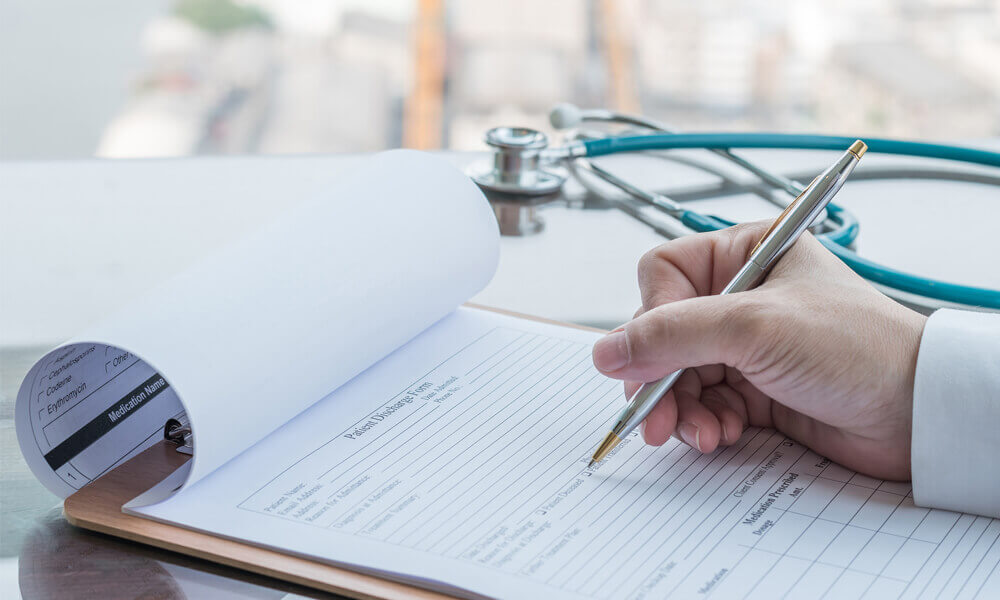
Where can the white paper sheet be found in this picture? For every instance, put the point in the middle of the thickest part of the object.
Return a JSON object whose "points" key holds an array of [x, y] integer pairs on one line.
{"points": [[461, 459], [256, 334]]}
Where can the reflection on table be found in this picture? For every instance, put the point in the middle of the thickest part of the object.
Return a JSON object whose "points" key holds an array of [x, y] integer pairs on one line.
{"points": [[59, 561]]}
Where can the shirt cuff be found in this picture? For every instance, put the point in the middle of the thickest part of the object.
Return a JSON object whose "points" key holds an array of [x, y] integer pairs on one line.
{"points": [[955, 448]]}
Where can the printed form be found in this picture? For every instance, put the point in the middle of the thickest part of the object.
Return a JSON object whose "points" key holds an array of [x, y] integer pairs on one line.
{"points": [[78, 401], [460, 462]]}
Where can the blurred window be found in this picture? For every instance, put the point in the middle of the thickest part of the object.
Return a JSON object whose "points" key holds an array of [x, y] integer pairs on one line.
{"points": [[182, 77]]}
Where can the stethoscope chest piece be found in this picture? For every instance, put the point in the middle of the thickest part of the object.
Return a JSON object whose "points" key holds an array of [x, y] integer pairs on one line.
{"points": [[517, 163]]}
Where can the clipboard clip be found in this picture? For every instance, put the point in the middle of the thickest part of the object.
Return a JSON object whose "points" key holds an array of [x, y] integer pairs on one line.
{"points": [[178, 432]]}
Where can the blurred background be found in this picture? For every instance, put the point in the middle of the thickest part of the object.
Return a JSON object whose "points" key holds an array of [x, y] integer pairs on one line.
{"points": [[165, 78], [147, 78]]}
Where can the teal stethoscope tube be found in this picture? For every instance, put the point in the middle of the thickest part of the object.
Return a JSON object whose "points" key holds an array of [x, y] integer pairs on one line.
{"points": [[921, 286]]}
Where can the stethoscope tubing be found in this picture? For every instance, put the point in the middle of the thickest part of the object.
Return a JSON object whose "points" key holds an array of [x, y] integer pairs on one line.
{"points": [[786, 141], [847, 226]]}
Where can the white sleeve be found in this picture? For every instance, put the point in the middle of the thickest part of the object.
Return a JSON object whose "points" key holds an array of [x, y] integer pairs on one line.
{"points": [[956, 413]]}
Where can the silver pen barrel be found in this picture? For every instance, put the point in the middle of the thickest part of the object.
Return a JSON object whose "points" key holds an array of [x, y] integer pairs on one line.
{"points": [[782, 234], [803, 211]]}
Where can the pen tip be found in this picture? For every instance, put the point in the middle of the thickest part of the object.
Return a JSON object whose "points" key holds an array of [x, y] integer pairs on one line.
{"points": [[858, 148], [592, 463], [607, 444]]}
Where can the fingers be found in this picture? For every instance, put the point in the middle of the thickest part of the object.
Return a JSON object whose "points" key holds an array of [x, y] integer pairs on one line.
{"points": [[661, 421], [703, 418], [696, 265], [702, 264], [684, 324], [697, 426], [687, 333], [728, 407]]}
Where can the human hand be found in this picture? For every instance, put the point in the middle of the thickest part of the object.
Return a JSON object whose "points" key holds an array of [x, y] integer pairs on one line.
{"points": [[815, 352]]}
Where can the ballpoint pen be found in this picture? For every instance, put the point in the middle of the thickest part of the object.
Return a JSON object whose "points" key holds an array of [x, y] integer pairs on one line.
{"points": [[782, 234]]}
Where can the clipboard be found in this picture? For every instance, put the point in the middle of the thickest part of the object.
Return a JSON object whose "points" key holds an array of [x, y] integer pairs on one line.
{"points": [[98, 507]]}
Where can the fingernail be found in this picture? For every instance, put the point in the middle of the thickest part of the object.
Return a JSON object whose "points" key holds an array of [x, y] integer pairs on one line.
{"points": [[611, 352], [691, 435]]}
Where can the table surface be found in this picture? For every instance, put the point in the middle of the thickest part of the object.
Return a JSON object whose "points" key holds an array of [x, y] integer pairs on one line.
{"points": [[79, 238]]}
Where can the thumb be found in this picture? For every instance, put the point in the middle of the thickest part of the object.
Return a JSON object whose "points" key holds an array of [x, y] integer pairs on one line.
{"points": [[688, 333]]}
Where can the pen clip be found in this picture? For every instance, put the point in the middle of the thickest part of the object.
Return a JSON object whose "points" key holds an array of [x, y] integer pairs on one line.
{"points": [[784, 214]]}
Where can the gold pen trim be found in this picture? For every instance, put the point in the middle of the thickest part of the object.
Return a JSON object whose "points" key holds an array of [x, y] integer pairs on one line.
{"points": [[610, 441], [858, 148], [778, 220]]}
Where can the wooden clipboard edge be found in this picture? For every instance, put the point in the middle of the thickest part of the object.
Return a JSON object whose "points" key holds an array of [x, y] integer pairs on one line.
{"points": [[97, 507]]}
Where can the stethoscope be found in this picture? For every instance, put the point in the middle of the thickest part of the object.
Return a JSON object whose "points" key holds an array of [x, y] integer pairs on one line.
{"points": [[524, 165]]}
